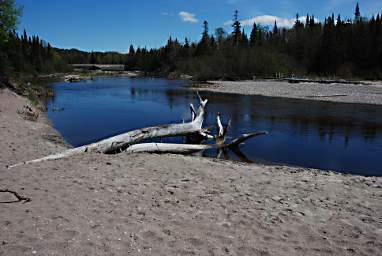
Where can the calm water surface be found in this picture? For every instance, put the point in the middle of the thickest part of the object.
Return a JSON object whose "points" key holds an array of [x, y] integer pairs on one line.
{"points": [[331, 136]]}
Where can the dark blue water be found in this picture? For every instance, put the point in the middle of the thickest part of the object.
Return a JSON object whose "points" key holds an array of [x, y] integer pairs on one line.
{"points": [[331, 136]]}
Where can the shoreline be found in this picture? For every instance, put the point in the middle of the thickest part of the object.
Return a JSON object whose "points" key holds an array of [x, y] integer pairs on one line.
{"points": [[336, 92], [361, 92], [169, 204], [267, 163]]}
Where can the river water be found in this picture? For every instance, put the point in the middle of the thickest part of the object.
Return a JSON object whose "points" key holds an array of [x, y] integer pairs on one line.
{"points": [[329, 136]]}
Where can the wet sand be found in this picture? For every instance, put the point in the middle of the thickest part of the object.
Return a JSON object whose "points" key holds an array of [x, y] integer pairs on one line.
{"points": [[143, 204]]}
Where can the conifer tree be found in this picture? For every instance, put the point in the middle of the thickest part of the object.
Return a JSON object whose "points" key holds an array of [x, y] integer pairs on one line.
{"points": [[204, 44], [25, 36], [311, 22], [275, 29], [131, 50], [253, 36], [297, 23], [220, 35], [205, 30], [357, 13], [186, 43], [244, 39], [236, 34]]}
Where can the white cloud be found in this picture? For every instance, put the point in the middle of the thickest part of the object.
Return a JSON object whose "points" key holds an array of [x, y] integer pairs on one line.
{"points": [[188, 17], [228, 23], [268, 20]]}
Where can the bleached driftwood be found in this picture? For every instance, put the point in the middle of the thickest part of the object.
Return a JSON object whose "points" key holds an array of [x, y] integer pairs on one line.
{"points": [[187, 148], [121, 142], [129, 141], [220, 129], [166, 148], [244, 137]]}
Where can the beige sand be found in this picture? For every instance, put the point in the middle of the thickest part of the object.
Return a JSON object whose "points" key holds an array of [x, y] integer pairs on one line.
{"points": [[174, 205], [347, 93]]}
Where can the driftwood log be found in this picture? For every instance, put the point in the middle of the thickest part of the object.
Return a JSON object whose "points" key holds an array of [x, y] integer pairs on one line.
{"points": [[187, 148], [120, 142], [130, 141]]}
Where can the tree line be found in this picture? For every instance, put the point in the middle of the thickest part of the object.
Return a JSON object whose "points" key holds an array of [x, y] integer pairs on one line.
{"points": [[30, 55], [335, 47]]}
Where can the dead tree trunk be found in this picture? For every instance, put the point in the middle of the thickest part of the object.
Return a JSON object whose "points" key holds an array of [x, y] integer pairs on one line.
{"points": [[187, 148], [121, 142], [129, 141]]}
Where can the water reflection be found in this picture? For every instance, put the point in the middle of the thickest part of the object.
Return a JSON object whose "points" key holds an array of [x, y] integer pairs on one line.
{"points": [[337, 136]]}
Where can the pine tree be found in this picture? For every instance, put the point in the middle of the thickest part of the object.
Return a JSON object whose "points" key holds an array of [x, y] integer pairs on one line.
{"points": [[186, 43], [49, 50], [275, 29], [220, 35], [185, 51], [168, 46], [25, 36], [244, 39], [297, 23], [131, 50], [312, 22], [339, 21], [205, 36], [357, 13], [204, 44], [253, 36], [236, 34]]}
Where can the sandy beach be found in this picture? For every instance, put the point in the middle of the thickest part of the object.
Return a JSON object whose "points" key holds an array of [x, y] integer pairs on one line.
{"points": [[95, 204], [336, 92]]}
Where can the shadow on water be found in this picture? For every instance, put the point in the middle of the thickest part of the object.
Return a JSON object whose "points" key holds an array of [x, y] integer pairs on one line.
{"points": [[333, 136]]}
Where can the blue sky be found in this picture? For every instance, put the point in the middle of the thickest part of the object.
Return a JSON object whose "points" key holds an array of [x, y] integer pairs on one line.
{"points": [[115, 24]]}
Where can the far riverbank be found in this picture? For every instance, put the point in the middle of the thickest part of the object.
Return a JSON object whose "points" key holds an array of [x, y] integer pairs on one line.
{"points": [[335, 92]]}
